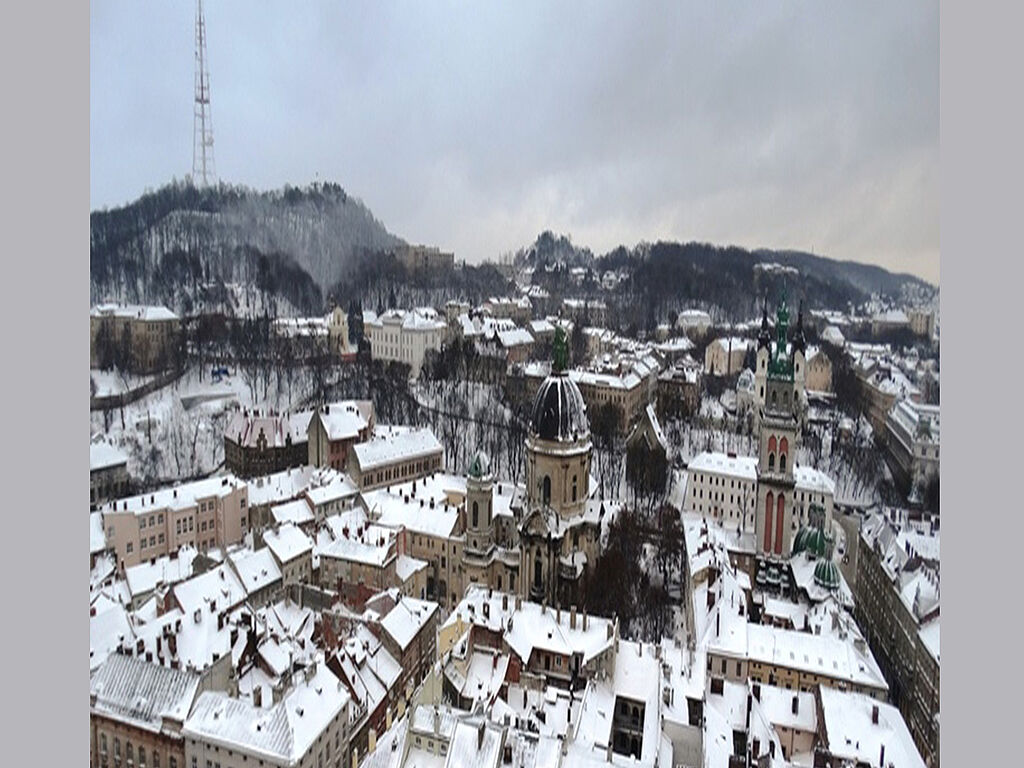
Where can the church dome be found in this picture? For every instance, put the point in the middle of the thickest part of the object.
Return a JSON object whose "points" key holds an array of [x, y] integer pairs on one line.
{"points": [[814, 541], [826, 574], [559, 412], [479, 466]]}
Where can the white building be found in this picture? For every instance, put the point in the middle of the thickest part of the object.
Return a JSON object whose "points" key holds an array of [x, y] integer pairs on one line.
{"points": [[307, 727], [693, 322], [404, 336], [724, 356], [724, 487], [912, 432]]}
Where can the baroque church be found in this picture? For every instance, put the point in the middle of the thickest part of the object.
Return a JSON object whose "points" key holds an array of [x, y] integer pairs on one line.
{"points": [[547, 541]]}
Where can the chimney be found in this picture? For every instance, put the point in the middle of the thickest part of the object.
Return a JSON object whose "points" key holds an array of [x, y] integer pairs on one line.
{"points": [[874, 714], [572, 617], [584, 619]]}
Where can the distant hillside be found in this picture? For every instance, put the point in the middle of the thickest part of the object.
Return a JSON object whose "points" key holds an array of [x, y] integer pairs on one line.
{"points": [[549, 250], [865, 277], [176, 243]]}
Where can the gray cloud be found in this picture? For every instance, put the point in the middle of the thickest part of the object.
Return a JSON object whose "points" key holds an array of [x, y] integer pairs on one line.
{"points": [[801, 124]]}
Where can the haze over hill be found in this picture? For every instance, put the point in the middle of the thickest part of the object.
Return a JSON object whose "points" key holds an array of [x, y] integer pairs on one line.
{"points": [[177, 244]]}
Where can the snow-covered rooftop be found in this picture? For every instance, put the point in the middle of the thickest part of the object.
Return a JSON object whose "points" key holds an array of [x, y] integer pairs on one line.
{"points": [[287, 542], [133, 311], [384, 450], [178, 496], [103, 455], [286, 731], [533, 626], [245, 428], [280, 486], [256, 569], [140, 693], [345, 420], [404, 621], [166, 570], [851, 735]]}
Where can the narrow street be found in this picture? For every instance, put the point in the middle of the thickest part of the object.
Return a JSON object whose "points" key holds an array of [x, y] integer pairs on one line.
{"points": [[848, 564]]}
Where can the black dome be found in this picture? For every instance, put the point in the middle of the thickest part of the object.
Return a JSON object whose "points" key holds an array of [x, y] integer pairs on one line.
{"points": [[559, 412]]}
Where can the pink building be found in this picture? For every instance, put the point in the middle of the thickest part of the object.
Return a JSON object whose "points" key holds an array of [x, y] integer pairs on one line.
{"points": [[203, 514]]}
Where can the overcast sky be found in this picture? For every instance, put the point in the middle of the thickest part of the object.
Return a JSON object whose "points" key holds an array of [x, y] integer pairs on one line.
{"points": [[803, 125]]}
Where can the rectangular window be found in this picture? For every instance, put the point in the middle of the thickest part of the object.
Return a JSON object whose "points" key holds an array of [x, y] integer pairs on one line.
{"points": [[160, 538], [128, 547]]}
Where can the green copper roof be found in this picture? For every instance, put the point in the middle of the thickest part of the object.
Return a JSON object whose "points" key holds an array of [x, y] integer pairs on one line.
{"points": [[780, 366], [826, 574], [480, 466]]}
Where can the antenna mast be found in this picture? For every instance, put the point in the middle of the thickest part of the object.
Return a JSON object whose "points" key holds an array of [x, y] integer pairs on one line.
{"points": [[202, 121]]}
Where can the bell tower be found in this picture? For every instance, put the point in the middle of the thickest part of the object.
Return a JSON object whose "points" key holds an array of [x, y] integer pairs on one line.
{"points": [[777, 446], [479, 498]]}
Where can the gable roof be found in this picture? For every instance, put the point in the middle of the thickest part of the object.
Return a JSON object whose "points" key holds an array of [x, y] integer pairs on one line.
{"points": [[140, 693]]}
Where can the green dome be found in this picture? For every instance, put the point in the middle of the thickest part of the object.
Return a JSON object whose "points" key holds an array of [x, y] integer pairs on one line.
{"points": [[826, 575], [818, 544], [800, 541], [480, 466]]}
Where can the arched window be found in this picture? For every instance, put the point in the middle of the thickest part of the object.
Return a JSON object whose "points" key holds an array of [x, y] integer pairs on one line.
{"points": [[769, 502], [771, 444], [476, 514], [775, 397], [537, 572], [783, 450], [546, 490], [574, 487], [782, 462], [771, 462], [779, 515]]}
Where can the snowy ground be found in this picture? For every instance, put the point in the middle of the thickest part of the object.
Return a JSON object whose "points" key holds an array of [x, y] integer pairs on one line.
{"points": [[178, 431], [108, 383]]}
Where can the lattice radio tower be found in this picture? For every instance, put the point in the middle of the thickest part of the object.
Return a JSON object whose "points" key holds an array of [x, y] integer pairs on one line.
{"points": [[203, 172]]}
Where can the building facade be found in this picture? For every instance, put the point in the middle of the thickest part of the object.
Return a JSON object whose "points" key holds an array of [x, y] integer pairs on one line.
{"points": [[202, 514], [897, 607], [395, 458], [912, 432], [149, 335], [404, 336], [724, 357], [334, 428], [260, 444]]}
